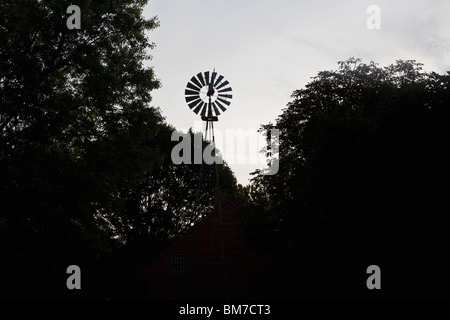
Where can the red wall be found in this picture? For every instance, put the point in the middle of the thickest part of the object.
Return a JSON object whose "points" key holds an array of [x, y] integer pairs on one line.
{"points": [[207, 278]]}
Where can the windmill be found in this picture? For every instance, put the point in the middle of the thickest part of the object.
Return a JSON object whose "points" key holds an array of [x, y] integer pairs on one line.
{"points": [[208, 94]]}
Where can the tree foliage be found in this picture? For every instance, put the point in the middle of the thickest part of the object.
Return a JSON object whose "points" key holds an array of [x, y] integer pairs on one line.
{"points": [[362, 181], [168, 201], [76, 127], [85, 167]]}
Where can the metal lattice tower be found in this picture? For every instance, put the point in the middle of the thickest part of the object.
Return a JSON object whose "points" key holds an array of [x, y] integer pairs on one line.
{"points": [[208, 94]]}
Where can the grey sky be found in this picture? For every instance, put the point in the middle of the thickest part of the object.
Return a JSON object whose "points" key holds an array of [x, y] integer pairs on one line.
{"points": [[267, 49]]}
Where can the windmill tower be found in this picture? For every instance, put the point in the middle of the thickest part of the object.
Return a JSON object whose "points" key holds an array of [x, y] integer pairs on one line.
{"points": [[208, 94]]}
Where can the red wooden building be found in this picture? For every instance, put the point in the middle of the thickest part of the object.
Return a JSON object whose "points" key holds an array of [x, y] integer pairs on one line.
{"points": [[193, 268]]}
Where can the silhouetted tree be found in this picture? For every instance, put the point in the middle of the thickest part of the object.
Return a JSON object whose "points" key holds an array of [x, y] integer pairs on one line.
{"points": [[85, 163], [362, 180], [168, 201], [75, 127]]}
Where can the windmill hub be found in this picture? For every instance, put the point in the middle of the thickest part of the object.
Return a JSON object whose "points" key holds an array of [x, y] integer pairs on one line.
{"points": [[210, 90]]}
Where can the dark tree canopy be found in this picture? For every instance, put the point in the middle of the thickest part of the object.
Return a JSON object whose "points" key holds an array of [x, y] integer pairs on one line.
{"points": [[76, 127], [85, 167], [362, 180], [169, 200]]}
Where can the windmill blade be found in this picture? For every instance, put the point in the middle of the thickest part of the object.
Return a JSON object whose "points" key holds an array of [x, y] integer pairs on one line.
{"points": [[206, 110], [225, 90], [215, 109], [218, 89], [229, 96], [197, 109], [190, 92], [223, 84], [196, 82], [223, 101], [213, 77], [190, 98], [203, 112], [194, 103], [200, 77], [220, 106], [218, 80], [204, 107], [193, 87]]}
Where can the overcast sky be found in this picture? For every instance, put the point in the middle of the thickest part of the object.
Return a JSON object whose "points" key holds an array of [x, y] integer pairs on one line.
{"points": [[267, 49]]}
